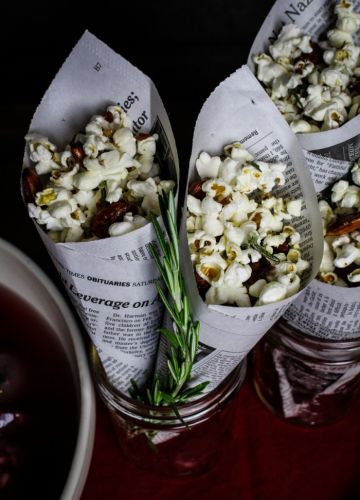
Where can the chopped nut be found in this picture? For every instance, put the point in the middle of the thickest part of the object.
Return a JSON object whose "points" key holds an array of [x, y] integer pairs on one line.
{"points": [[108, 215], [109, 117], [31, 184], [142, 136], [195, 190], [203, 285], [344, 224], [78, 152]]}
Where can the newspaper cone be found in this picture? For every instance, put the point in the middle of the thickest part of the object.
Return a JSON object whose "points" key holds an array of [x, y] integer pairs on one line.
{"points": [[327, 311], [328, 153], [323, 310], [110, 281], [240, 110]]}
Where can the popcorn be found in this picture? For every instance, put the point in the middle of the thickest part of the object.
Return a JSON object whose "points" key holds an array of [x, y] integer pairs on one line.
{"points": [[139, 189], [293, 207], [354, 276], [300, 126], [346, 255], [210, 207], [314, 95], [238, 153], [211, 268], [219, 189], [333, 119], [125, 141], [355, 171], [236, 274], [201, 242], [212, 225], [341, 220], [290, 41], [239, 237], [207, 166], [85, 181], [241, 234], [333, 77], [93, 145], [146, 145], [351, 198], [338, 38], [256, 288], [129, 223], [42, 153], [267, 69], [272, 292], [228, 295], [107, 166], [346, 56]]}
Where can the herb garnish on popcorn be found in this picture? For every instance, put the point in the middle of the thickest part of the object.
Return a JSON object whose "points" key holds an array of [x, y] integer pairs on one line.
{"points": [[105, 183], [341, 225], [315, 86], [243, 248]]}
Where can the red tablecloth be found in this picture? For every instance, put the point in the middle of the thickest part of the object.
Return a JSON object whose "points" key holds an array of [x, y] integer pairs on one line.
{"points": [[268, 459]]}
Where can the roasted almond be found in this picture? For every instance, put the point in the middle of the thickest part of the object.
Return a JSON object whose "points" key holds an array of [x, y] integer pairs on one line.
{"points": [[103, 219], [202, 285], [31, 184], [344, 224], [77, 152], [142, 136], [109, 117], [195, 189]]}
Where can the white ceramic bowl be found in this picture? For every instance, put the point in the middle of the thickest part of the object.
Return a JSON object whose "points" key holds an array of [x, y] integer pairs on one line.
{"points": [[24, 277]]}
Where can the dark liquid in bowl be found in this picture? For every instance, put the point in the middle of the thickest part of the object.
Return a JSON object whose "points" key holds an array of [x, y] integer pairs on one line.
{"points": [[38, 404]]}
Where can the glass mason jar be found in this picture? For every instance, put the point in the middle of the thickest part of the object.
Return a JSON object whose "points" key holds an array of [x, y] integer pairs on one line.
{"points": [[304, 379], [157, 439]]}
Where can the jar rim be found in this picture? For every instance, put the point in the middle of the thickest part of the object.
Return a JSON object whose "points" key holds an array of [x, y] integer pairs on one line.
{"points": [[324, 350], [185, 412]]}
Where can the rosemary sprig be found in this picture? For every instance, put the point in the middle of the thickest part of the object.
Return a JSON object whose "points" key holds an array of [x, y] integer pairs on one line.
{"points": [[171, 389]]}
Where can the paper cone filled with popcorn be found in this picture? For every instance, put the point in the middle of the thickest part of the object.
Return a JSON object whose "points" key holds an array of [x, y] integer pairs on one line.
{"points": [[330, 306], [99, 150], [248, 233], [307, 59]]}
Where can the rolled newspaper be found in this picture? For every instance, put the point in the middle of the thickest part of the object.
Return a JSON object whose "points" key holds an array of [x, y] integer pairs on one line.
{"points": [[239, 110], [328, 153], [326, 311], [110, 281]]}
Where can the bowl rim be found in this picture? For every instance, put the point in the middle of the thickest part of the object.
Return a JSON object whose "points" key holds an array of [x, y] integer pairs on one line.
{"points": [[86, 431]]}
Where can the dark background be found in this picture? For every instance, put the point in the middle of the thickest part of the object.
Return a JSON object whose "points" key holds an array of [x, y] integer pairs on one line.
{"points": [[187, 48]]}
